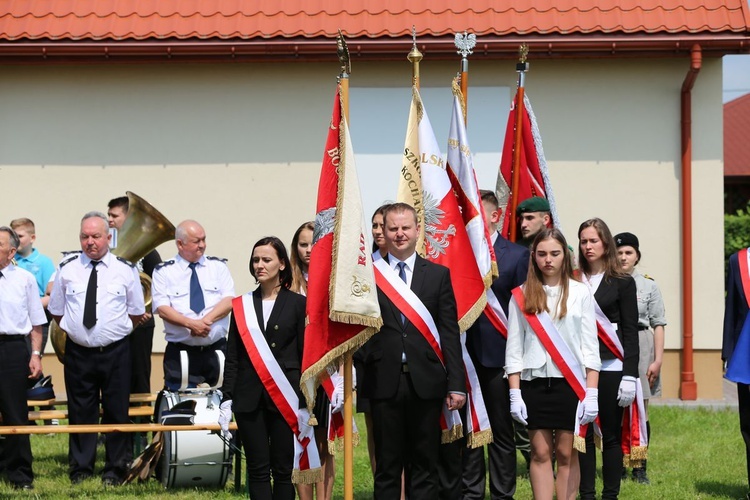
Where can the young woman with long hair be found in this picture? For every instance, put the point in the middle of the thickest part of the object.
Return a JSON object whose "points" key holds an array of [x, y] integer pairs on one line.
{"points": [[615, 295], [542, 398], [300, 256]]}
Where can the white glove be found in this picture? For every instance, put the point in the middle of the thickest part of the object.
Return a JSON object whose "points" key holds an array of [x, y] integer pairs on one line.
{"points": [[337, 398], [518, 407], [626, 392], [305, 429], [225, 416], [589, 407]]}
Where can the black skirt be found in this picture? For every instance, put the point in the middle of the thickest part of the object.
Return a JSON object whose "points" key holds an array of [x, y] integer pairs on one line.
{"points": [[550, 402]]}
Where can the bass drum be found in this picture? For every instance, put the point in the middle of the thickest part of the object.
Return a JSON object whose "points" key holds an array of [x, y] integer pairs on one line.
{"points": [[193, 458]]}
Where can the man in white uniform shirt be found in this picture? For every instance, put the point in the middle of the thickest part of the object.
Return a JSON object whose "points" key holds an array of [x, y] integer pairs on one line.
{"points": [[21, 314], [193, 294], [97, 299]]}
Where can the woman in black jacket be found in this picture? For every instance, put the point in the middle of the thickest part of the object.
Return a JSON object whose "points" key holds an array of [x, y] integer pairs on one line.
{"points": [[266, 435], [615, 294]]}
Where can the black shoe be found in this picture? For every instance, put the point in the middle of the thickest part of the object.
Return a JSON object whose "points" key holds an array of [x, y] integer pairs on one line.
{"points": [[639, 476], [23, 486], [79, 478], [111, 481]]}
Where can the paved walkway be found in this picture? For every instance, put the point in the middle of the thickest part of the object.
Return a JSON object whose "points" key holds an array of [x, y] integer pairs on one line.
{"points": [[729, 400]]}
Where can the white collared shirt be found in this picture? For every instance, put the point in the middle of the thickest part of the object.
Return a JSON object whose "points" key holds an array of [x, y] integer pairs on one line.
{"points": [[171, 287], [118, 296], [525, 353], [20, 305], [409, 269]]}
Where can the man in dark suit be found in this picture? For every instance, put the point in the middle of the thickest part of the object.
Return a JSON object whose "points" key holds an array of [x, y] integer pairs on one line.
{"points": [[486, 346], [404, 378], [736, 335]]}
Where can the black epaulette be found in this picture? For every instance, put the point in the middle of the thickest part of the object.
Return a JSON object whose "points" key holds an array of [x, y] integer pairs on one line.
{"points": [[648, 277], [220, 259], [69, 257], [163, 264], [125, 261]]}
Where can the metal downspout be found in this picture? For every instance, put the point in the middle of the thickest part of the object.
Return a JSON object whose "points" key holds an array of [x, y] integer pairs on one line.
{"points": [[688, 385]]}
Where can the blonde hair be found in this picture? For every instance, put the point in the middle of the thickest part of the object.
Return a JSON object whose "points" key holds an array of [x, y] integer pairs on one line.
{"points": [[535, 300]]}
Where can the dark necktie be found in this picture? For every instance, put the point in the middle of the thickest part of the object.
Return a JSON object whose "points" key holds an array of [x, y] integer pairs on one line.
{"points": [[197, 304], [402, 275], [89, 309]]}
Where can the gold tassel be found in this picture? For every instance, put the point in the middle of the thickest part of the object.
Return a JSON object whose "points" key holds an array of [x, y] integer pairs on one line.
{"points": [[479, 439], [309, 476], [313, 420], [579, 443]]}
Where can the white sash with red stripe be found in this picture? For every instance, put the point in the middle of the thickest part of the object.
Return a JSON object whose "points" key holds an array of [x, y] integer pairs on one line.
{"points": [[306, 460], [563, 358], [743, 259], [478, 429], [335, 431], [407, 302], [634, 434], [494, 312]]}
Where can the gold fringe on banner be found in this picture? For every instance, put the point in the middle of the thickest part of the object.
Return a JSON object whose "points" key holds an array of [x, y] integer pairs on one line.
{"points": [[472, 314], [479, 439], [310, 476]]}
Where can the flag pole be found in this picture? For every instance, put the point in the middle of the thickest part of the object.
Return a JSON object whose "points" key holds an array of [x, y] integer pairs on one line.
{"points": [[414, 57], [346, 68], [465, 44], [521, 67]]}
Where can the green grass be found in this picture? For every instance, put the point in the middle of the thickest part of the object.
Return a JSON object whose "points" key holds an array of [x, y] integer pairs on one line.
{"points": [[695, 454]]}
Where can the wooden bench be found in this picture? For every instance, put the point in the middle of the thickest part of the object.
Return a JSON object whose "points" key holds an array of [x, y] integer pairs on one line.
{"points": [[133, 411], [146, 397]]}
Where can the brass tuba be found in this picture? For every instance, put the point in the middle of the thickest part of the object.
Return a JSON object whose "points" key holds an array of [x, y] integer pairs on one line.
{"points": [[144, 229]]}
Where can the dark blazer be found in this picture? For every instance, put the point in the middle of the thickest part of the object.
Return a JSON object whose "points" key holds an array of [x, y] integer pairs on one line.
{"points": [[285, 336], [736, 309], [618, 300], [381, 355], [486, 345]]}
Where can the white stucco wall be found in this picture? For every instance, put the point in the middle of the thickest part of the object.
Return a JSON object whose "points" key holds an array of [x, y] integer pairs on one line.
{"points": [[238, 147]]}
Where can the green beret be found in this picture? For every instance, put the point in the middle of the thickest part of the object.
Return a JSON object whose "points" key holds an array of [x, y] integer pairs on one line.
{"points": [[534, 204]]}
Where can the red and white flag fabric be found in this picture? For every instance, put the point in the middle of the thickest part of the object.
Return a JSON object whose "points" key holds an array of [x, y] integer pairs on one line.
{"points": [[464, 182], [534, 174], [424, 184], [342, 302]]}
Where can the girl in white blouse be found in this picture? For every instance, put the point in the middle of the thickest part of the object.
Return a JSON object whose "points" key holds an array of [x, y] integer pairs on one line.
{"points": [[541, 397]]}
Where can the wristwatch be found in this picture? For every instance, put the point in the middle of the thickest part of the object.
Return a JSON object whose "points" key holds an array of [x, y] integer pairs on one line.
{"points": [[36, 353]]}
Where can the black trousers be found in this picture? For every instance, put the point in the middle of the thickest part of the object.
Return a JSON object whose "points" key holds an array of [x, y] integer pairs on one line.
{"points": [[743, 397], [407, 434], [203, 365], [502, 449], [141, 343], [89, 372], [269, 448], [14, 370], [610, 415], [450, 467]]}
